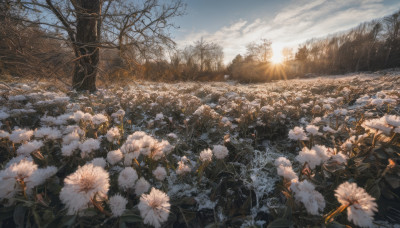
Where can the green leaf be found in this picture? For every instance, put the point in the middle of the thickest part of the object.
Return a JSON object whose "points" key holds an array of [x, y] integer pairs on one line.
{"points": [[373, 188], [335, 225], [6, 213], [280, 223], [36, 216], [67, 221], [131, 218], [19, 215]]}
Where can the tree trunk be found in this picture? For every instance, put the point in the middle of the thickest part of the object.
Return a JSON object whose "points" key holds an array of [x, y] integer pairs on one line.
{"points": [[87, 37]]}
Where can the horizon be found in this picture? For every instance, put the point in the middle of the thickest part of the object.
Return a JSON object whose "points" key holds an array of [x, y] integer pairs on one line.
{"points": [[287, 23]]}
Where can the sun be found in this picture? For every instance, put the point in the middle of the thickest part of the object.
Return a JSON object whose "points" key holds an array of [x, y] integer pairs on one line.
{"points": [[277, 56]]}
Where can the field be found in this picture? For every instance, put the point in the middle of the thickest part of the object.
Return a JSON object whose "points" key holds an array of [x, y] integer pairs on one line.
{"points": [[297, 152]]}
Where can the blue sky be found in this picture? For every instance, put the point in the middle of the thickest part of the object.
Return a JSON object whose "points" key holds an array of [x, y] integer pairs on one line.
{"points": [[235, 23]]}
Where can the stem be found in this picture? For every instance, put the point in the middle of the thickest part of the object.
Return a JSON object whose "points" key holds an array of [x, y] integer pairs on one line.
{"points": [[339, 210]]}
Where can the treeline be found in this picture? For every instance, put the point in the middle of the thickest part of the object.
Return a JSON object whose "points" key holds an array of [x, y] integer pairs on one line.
{"points": [[368, 47], [38, 49]]}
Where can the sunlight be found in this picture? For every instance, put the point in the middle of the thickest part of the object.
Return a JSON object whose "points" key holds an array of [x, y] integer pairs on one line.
{"points": [[277, 56]]}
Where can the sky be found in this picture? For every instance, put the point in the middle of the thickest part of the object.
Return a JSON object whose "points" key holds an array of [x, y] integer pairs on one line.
{"points": [[287, 23]]}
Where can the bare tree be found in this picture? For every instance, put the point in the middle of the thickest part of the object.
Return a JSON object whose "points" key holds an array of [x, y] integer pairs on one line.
{"points": [[88, 25]]}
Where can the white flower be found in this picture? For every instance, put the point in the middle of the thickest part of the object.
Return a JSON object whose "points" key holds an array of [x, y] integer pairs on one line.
{"points": [[392, 120], [114, 156], [361, 206], [309, 156], [68, 150], [129, 157], [11, 177], [339, 158], [81, 187], [154, 207], [78, 115], [39, 176], [312, 129], [206, 155], [286, 172], [323, 152], [117, 205], [99, 162], [297, 133], [88, 146], [29, 147], [377, 126], [127, 178], [20, 135], [4, 134], [48, 133], [182, 166], [328, 129], [305, 192], [220, 152], [282, 161], [160, 173], [73, 136], [142, 186], [113, 134], [99, 119]]}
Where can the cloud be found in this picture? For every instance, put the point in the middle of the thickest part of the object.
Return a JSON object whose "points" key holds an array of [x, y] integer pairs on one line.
{"points": [[299, 21]]}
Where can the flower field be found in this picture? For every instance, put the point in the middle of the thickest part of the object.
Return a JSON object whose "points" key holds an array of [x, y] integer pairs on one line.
{"points": [[315, 152]]}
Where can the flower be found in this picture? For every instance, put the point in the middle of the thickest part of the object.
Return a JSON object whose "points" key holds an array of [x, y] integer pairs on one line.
{"points": [[99, 162], [40, 176], [117, 205], [206, 155], [127, 178], [282, 161], [68, 150], [360, 205], [88, 146], [82, 186], [142, 186], [113, 134], [99, 119], [20, 135], [17, 172], [312, 129], [48, 132], [297, 133], [220, 152], [154, 207], [392, 120], [29, 147], [114, 156], [305, 192], [160, 173], [182, 166]]}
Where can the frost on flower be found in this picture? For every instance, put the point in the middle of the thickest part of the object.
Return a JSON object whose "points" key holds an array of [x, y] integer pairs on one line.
{"points": [[48, 133], [312, 129], [183, 168], [127, 178], [29, 147], [160, 173], [20, 135], [12, 177], [88, 146], [99, 119], [220, 152], [314, 156], [142, 186], [73, 136], [113, 135], [40, 176], [99, 162], [305, 193], [82, 186], [117, 205], [360, 205], [377, 125], [114, 156], [297, 133], [284, 169], [392, 120], [154, 208], [68, 150], [206, 155]]}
